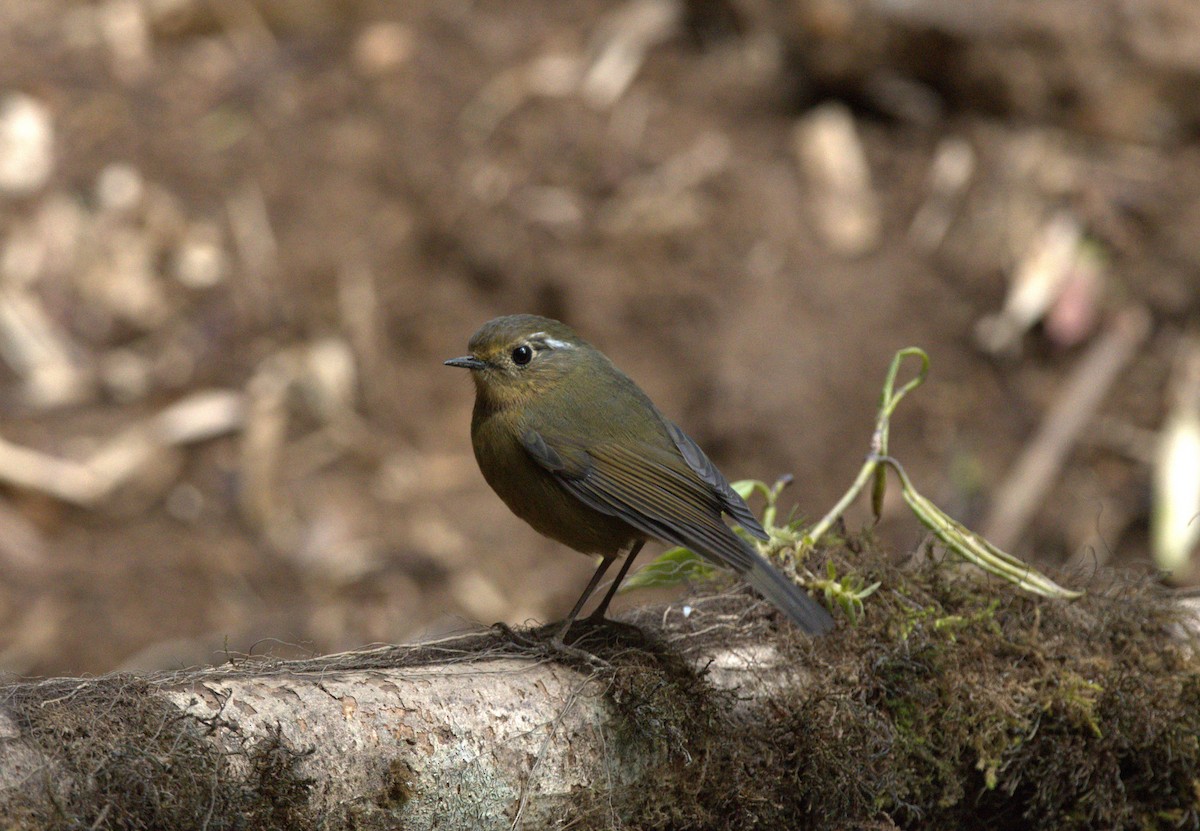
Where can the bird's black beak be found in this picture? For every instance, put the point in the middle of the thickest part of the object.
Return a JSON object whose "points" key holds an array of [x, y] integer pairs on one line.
{"points": [[466, 362]]}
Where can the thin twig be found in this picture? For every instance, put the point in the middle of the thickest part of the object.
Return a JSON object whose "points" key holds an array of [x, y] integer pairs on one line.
{"points": [[1025, 488]]}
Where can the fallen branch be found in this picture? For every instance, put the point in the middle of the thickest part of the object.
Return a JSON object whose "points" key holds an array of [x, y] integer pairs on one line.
{"points": [[474, 732]]}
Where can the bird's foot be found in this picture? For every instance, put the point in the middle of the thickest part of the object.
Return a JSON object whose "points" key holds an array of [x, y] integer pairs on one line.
{"points": [[511, 634], [555, 647], [561, 649]]}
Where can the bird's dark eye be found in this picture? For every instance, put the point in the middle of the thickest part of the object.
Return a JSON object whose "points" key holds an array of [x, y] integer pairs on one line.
{"points": [[522, 355]]}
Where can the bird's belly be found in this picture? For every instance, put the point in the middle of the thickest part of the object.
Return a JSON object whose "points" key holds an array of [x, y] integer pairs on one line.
{"points": [[531, 493]]}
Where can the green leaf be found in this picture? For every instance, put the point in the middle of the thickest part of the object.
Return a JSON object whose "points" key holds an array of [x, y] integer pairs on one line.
{"points": [[672, 567], [878, 492], [743, 487]]}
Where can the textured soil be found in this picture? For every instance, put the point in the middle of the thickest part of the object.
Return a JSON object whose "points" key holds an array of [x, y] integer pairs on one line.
{"points": [[422, 167]]}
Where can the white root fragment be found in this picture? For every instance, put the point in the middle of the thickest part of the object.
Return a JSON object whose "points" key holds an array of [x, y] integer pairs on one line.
{"points": [[200, 416], [553, 75], [40, 352], [844, 203], [262, 444], [949, 174], [1036, 284], [621, 44], [1175, 517]]}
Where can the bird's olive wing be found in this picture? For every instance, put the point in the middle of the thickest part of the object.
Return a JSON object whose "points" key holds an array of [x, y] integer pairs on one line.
{"points": [[662, 495], [703, 467], [651, 489], [547, 456]]}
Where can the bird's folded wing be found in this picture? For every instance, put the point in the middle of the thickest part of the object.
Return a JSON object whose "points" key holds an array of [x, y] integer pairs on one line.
{"points": [[732, 503], [650, 489]]}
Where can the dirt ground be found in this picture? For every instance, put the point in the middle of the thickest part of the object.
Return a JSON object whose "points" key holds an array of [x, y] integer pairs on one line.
{"points": [[308, 206]]}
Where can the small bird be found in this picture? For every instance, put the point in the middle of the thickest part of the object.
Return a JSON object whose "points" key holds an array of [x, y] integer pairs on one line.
{"points": [[577, 450]]}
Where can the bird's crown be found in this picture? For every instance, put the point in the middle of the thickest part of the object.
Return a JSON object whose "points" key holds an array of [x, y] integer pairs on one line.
{"points": [[502, 334]]}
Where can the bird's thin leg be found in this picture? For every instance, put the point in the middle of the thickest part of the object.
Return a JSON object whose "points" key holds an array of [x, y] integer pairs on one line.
{"points": [[612, 590], [583, 598]]}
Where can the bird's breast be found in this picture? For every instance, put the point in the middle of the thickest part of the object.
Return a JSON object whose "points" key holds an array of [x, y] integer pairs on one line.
{"points": [[532, 493]]}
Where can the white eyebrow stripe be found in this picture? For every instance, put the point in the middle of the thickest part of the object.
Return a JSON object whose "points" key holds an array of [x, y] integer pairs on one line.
{"points": [[553, 343]]}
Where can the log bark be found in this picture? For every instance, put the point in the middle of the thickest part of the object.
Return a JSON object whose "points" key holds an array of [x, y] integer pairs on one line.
{"points": [[458, 746], [482, 731]]}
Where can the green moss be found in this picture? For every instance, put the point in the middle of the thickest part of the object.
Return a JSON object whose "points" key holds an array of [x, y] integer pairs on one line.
{"points": [[124, 758], [953, 703], [397, 788]]}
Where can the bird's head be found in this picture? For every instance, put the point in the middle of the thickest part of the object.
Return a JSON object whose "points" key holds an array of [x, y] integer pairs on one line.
{"points": [[516, 357]]}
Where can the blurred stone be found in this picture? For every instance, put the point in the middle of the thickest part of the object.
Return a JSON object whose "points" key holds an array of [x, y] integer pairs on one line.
{"points": [[330, 377], [1074, 315], [950, 173], [125, 375], [126, 31], [134, 471], [26, 144], [1034, 286], [622, 39], [383, 47], [200, 261], [904, 98], [124, 281], [551, 76], [120, 188], [200, 416], [41, 352], [551, 206], [262, 441], [47, 244]]}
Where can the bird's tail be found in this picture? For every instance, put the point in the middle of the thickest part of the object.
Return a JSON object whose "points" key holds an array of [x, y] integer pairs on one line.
{"points": [[805, 612]]}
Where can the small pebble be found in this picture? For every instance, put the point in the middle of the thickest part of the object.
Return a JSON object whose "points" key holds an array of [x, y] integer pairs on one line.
{"points": [[383, 47], [26, 144], [200, 261], [120, 188]]}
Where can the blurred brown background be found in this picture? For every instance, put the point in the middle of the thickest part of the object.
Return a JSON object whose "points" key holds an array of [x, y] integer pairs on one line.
{"points": [[238, 237]]}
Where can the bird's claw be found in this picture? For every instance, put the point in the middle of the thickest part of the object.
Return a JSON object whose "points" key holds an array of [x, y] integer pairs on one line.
{"points": [[554, 647]]}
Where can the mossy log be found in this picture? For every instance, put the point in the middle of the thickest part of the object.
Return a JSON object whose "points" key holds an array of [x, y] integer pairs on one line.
{"points": [[952, 703], [474, 732]]}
